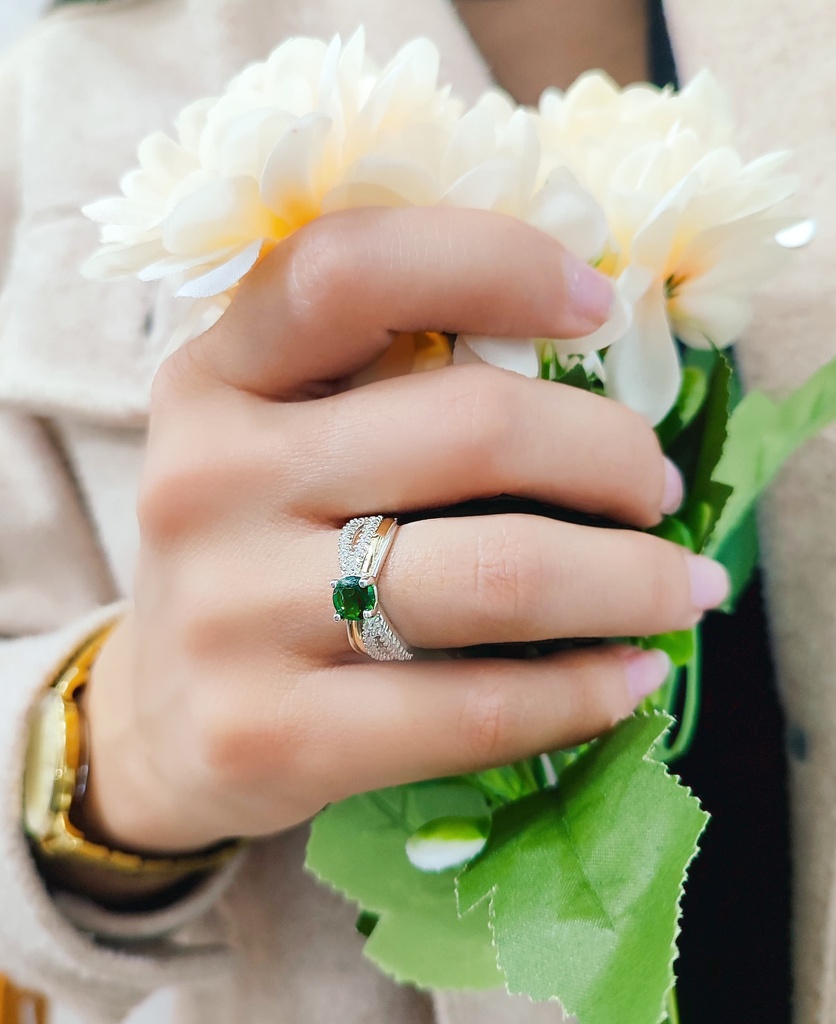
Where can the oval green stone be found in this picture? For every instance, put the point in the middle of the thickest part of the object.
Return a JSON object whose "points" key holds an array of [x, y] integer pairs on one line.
{"points": [[351, 600]]}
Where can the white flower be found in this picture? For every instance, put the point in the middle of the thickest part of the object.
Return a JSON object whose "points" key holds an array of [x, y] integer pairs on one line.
{"points": [[642, 183], [494, 162], [690, 223], [317, 129], [314, 128]]}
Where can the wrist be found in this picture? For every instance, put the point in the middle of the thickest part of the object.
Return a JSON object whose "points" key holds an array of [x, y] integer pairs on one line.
{"points": [[75, 847], [129, 804]]}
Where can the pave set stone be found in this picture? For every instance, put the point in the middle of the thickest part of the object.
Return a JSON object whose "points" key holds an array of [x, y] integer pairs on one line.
{"points": [[381, 643], [355, 538]]}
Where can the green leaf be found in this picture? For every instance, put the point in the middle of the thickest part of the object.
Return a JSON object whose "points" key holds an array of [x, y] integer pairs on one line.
{"points": [[703, 359], [358, 847], [574, 377], [684, 449], [678, 646], [740, 554], [762, 435], [673, 529], [692, 395], [705, 497], [577, 377], [584, 881]]}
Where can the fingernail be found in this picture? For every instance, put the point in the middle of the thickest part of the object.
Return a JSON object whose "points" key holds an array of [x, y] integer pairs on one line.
{"points": [[709, 582], [592, 295], [645, 671], [674, 489]]}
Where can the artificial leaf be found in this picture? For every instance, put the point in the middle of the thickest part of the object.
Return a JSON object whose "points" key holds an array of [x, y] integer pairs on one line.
{"points": [[739, 553], [700, 358], [499, 785], [574, 377], [762, 434], [673, 529], [684, 449], [577, 377], [678, 646], [358, 847], [692, 395], [705, 496], [584, 881]]}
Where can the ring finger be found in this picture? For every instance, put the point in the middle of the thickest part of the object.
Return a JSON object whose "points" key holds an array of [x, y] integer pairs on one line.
{"points": [[512, 578]]}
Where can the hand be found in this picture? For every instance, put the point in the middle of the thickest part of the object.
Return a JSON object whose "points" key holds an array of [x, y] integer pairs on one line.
{"points": [[229, 703]]}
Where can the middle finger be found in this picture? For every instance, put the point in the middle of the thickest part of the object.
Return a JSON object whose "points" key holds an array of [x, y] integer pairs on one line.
{"points": [[443, 437]]}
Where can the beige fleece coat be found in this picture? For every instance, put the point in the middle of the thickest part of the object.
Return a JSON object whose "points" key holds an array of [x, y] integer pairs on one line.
{"points": [[76, 359]]}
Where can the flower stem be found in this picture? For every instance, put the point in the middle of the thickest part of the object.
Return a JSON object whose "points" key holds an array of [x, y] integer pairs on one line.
{"points": [[691, 708]]}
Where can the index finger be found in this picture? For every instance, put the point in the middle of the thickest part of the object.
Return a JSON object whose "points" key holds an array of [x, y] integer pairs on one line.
{"points": [[328, 301]]}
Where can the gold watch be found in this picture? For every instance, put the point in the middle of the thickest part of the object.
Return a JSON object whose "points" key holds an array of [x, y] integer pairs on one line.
{"points": [[55, 779]]}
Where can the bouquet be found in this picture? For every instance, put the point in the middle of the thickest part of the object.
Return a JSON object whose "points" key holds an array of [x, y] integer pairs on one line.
{"points": [[560, 876]]}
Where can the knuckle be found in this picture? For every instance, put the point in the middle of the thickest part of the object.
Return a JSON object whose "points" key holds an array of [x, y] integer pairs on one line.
{"points": [[603, 700], [204, 629], [487, 723], [320, 272], [642, 458], [482, 404], [168, 503], [177, 377], [509, 574], [197, 475], [665, 593], [239, 744], [597, 694]]}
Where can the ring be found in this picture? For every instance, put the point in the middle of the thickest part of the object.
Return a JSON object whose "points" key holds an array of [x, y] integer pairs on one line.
{"points": [[364, 545]]}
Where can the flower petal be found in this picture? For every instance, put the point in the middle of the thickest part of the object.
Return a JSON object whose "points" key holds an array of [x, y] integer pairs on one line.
{"points": [[288, 183], [111, 262], [703, 319], [515, 354], [608, 334], [567, 212], [171, 266], [643, 370], [202, 314], [220, 215], [222, 278]]}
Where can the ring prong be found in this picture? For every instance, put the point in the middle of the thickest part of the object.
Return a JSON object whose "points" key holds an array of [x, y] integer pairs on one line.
{"points": [[338, 617], [367, 581], [370, 613], [334, 584]]}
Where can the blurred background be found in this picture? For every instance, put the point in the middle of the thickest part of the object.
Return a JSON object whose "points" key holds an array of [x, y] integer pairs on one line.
{"points": [[16, 16]]}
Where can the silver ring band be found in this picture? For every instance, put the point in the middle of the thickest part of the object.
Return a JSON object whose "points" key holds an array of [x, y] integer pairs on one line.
{"points": [[364, 544]]}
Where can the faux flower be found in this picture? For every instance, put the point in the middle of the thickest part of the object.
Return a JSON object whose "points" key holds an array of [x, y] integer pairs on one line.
{"points": [[690, 223], [494, 161], [316, 129], [312, 129], [642, 183]]}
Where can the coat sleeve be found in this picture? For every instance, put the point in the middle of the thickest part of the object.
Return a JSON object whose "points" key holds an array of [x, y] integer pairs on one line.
{"points": [[55, 589], [776, 59]]}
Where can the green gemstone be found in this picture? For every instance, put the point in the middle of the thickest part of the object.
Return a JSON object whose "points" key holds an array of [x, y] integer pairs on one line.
{"points": [[351, 600]]}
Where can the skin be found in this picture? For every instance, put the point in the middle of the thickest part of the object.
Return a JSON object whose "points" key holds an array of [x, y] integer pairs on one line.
{"points": [[228, 703]]}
